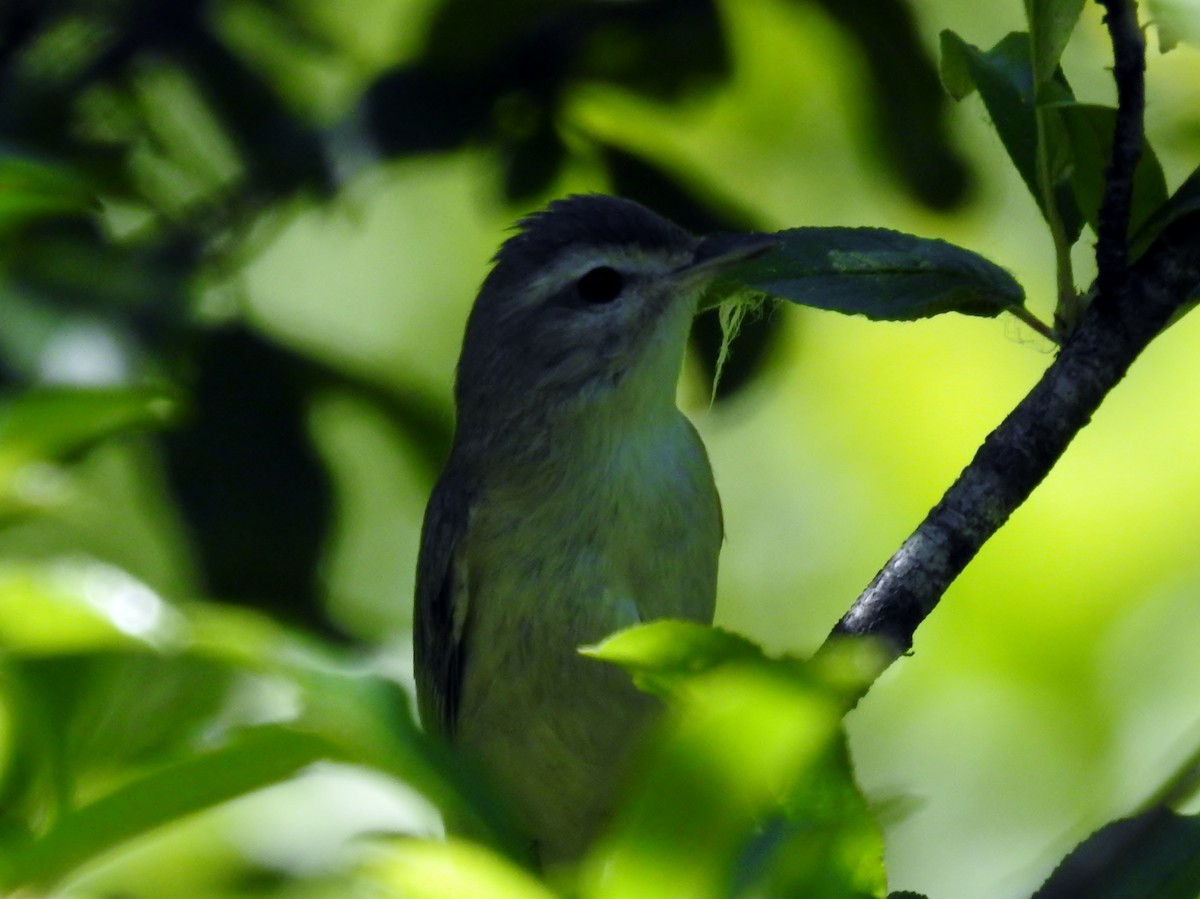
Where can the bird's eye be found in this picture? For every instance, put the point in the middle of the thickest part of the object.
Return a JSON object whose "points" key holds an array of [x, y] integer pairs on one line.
{"points": [[600, 285]]}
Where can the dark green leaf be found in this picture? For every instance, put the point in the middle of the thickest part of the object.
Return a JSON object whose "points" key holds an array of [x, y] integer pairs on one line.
{"points": [[1090, 129], [953, 69], [1155, 855], [30, 191], [1050, 25], [878, 273], [1004, 78], [1184, 201]]}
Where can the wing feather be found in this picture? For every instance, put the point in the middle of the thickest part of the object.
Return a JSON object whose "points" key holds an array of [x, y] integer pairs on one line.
{"points": [[441, 604]]}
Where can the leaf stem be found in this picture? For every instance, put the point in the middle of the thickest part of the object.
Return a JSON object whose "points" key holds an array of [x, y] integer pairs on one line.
{"points": [[1036, 324], [1066, 312]]}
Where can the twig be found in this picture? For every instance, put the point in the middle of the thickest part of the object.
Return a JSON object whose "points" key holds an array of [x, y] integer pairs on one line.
{"points": [[1024, 448], [1129, 71]]}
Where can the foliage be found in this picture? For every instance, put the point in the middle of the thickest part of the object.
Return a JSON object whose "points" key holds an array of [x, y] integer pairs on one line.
{"points": [[147, 154]]}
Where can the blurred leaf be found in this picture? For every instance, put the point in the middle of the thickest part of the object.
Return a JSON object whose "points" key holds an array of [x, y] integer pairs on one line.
{"points": [[1090, 130], [415, 109], [52, 424], [1155, 855], [422, 869], [907, 107], [31, 190], [1050, 25], [1004, 78], [370, 721], [80, 605], [882, 274], [251, 759], [1177, 21], [533, 160], [747, 790]]}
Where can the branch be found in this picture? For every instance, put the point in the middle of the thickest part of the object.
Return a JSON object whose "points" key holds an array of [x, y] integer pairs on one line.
{"points": [[1129, 70], [1132, 307], [1024, 448]]}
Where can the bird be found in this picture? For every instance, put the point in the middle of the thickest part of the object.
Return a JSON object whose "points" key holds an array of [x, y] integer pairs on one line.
{"points": [[576, 500]]}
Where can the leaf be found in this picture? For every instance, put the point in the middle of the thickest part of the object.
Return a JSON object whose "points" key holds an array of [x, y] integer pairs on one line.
{"points": [[421, 869], [1004, 78], [55, 422], [76, 605], [882, 274], [1050, 25], [254, 758], [1185, 201], [51, 424], [31, 190], [1177, 21], [662, 654], [747, 791], [1090, 129], [1154, 855]]}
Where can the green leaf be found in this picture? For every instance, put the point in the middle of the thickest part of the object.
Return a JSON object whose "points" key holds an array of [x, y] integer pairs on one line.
{"points": [[421, 869], [663, 654], [252, 759], [77, 605], [30, 191], [1177, 21], [54, 422], [1090, 130], [747, 791], [51, 424], [952, 67], [882, 274], [1004, 78], [1050, 25]]}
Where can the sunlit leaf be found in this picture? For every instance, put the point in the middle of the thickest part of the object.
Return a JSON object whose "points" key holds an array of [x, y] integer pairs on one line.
{"points": [[878, 273], [420, 869], [1050, 25], [81, 605], [31, 190], [748, 785], [661, 654]]}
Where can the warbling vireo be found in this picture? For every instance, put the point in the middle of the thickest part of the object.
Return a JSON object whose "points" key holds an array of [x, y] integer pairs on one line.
{"points": [[577, 500]]}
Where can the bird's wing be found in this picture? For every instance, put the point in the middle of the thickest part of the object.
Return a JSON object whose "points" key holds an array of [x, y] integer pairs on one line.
{"points": [[441, 605]]}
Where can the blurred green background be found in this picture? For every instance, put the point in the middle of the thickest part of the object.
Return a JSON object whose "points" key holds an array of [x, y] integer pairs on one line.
{"points": [[298, 201]]}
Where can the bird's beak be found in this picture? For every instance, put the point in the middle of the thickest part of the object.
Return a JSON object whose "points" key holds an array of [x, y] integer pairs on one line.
{"points": [[718, 253]]}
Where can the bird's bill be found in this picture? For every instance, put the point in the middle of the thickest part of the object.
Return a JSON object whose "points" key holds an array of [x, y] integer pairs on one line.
{"points": [[720, 252]]}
